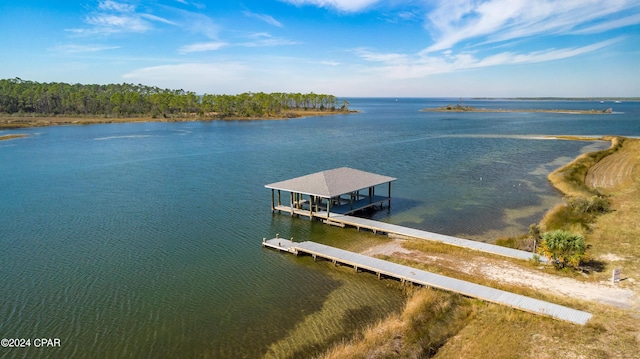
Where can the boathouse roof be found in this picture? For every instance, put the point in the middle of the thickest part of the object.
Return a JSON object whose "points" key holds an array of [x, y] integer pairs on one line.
{"points": [[331, 183]]}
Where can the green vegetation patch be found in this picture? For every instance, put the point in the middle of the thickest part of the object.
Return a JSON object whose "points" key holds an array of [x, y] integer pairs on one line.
{"points": [[28, 98]]}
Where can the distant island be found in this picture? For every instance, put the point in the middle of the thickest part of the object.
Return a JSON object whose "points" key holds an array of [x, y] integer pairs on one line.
{"points": [[28, 103], [463, 108], [609, 99]]}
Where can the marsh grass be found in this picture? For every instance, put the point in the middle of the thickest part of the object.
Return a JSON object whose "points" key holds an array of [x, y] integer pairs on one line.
{"points": [[523, 242], [436, 324], [429, 319]]}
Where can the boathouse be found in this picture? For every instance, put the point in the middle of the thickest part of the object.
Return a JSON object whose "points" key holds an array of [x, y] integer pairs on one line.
{"points": [[338, 191]]}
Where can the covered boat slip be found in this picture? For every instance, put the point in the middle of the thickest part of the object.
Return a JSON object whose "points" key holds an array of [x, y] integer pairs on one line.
{"points": [[333, 194], [338, 191]]}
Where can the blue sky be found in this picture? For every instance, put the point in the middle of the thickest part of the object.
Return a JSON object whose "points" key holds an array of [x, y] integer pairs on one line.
{"points": [[396, 48]]}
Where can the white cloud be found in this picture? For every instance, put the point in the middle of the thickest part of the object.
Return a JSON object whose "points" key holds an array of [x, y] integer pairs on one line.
{"points": [[200, 24], [328, 63], [405, 67], [195, 4], [264, 39], [378, 57], [453, 22], [109, 5], [266, 18], [202, 47], [74, 48], [158, 19], [342, 5], [106, 23], [608, 25], [113, 17]]}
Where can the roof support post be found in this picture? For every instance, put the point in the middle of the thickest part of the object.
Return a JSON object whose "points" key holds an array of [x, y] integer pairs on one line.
{"points": [[291, 202], [389, 195], [273, 208]]}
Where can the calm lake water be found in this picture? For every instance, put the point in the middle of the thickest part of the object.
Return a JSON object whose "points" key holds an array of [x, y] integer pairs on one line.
{"points": [[143, 240]]}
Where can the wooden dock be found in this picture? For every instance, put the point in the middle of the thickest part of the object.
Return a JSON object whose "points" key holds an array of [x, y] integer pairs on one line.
{"points": [[407, 274], [388, 228]]}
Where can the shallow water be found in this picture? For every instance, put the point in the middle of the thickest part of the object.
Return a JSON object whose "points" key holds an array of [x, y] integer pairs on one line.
{"points": [[143, 240]]}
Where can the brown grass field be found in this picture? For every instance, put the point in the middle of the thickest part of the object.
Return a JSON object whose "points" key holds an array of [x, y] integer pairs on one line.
{"points": [[436, 324]]}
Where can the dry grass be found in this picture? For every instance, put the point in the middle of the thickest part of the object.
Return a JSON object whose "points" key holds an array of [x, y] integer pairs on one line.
{"points": [[499, 332], [612, 237], [428, 320], [436, 324], [570, 179], [616, 234]]}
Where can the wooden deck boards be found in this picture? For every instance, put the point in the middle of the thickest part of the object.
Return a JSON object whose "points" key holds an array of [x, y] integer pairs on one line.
{"points": [[413, 275]]}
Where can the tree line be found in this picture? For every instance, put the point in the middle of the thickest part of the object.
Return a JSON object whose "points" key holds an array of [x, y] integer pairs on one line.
{"points": [[19, 96]]}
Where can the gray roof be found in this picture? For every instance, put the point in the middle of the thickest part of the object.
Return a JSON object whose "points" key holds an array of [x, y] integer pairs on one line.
{"points": [[331, 183]]}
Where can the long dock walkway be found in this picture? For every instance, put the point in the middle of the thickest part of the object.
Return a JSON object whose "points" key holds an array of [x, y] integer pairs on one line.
{"points": [[412, 275], [377, 226]]}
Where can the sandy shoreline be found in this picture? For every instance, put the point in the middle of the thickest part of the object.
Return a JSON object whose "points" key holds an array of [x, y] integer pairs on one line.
{"points": [[13, 122]]}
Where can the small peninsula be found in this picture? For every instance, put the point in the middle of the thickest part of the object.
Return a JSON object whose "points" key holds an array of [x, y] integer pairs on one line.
{"points": [[463, 108], [30, 104], [11, 137]]}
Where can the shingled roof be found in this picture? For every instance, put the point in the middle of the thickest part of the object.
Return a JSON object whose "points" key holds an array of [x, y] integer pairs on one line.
{"points": [[331, 183]]}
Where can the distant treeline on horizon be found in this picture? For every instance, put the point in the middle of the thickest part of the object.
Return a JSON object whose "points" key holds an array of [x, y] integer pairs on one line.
{"points": [[21, 97], [560, 98]]}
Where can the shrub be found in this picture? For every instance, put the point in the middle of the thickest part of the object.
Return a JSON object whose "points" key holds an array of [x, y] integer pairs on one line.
{"points": [[563, 248], [593, 205], [563, 217]]}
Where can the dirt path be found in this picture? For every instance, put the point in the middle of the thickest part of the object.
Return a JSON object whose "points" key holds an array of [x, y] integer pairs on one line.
{"points": [[506, 272]]}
